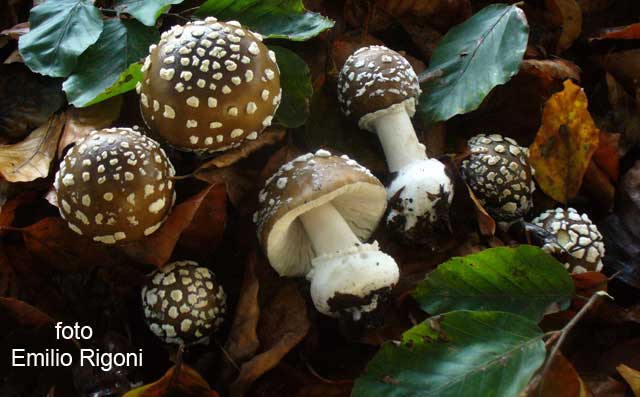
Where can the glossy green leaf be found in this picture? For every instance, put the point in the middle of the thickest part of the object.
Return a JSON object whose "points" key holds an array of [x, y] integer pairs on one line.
{"points": [[285, 19], [484, 51], [110, 67], [145, 11], [523, 280], [295, 79], [60, 31], [457, 354]]}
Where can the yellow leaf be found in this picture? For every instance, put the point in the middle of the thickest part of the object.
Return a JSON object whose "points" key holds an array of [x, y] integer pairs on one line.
{"points": [[31, 158], [183, 383], [564, 143], [632, 377]]}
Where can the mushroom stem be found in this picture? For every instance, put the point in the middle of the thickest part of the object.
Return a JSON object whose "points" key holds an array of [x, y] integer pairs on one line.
{"points": [[398, 139], [327, 230]]}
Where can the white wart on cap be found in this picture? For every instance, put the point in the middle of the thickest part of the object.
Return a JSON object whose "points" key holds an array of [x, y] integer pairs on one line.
{"points": [[114, 186], [576, 235], [499, 173], [208, 86], [183, 303]]}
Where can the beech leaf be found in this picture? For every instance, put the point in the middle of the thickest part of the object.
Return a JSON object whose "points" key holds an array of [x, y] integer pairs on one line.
{"points": [[183, 382]]}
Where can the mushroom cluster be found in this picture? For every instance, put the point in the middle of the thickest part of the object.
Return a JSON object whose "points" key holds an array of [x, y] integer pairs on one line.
{"points": [[209, 85], [183, 303], [378, 88], [315, 212], [499, 174], [115, 186], [577, 240]]}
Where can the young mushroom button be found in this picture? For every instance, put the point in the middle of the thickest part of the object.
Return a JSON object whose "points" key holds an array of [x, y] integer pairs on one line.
{"points": [[208, 86], [183, 303], [314, 214], [379, 89], [114, 186], [499, 174], [579, 243]]}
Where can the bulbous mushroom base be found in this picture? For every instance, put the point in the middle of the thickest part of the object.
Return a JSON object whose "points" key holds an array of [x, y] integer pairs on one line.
{"points": [[419, 202], [354, 283]]}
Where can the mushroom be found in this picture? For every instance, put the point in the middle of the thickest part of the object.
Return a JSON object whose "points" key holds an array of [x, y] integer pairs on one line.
{"points": [[499, 174], [578, 241], [114, 186], [379, 89], [314, 214], [183, 303], [208, 86]]}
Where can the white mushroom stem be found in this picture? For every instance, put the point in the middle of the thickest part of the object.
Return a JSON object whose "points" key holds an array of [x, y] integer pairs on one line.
{"points": [[327, 230], [398, 138]]}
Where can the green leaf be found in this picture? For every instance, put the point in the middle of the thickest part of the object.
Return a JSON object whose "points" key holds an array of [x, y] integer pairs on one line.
{"points": [[61, 30], [110, 67], [523, 280], [295, 79], [145, 11], [472, 58], [283, 19], [457, 354]]}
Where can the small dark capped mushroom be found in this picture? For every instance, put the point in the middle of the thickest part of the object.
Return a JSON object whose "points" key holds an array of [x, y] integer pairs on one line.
{"points": [[576, 236], [208, 86], [183, 303], [380, 90], [114, 186], [499, 173]]}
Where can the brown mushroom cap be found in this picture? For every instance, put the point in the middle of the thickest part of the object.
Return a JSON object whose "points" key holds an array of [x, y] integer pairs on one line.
{"points": [[113, 186], [576, 235], [499, 173], [209, 85], [373, 79], [183, 302], [306, 183]]}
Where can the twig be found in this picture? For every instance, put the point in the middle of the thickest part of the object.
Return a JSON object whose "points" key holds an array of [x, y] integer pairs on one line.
{"points": [[177, 367]]}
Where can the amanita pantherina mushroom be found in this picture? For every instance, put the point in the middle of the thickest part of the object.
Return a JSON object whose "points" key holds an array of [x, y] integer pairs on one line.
{"points": [[579, 243], [209, 85], [314, 214], [183, 303], [499, 173], [378, 88], [114, 186]]}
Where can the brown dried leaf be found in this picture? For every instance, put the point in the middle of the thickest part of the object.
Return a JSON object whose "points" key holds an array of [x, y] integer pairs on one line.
{"points": [[564, 143], [562, 379], [235, 178], [23, 314], [31, 159], [270, 136], [571, 16], [284, 324], [157, 248], [629, 32], [551, 69], [632, 376], [81, 121], [486, 223], [177, 382], [16, 31]]}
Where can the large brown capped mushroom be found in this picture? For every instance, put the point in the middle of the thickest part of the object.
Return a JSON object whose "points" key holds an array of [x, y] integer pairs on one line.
{"points": [[209, 85], [183, 302], [314, 214], [114, 186], [378, 87]]}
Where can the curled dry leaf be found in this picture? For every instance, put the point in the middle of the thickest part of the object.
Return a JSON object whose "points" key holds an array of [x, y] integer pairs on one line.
{"points": [[632, 376], [564, 143], [284, 324], [486, 223], [157, 248], [181, 381], [562, 379], [16, 31], [81, 121], [31, 159], [550, 70], [571, 16], [629, 32]]}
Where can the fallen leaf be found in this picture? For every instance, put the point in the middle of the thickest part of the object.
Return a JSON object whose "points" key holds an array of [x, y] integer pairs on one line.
{"points": [[562, 380], [605, 386], [629, 32], [571, 16], [16, 31], [624, 66], [234, 177], [564, 143], [23, 314], [607, 155], [486, 223], [157, 248], [284, 324], [181, 381], [632, 376], [81, 121], [625, 115], [551, 70]]}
